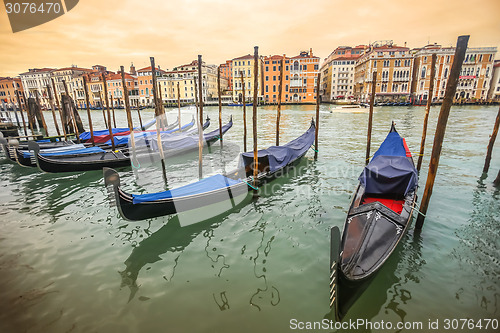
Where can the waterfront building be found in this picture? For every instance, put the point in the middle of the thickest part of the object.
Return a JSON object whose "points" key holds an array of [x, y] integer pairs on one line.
{"points": [[226, 71], [94, 86], [244, 65], [115, 89], [185, 76], [68, 75], [8, 87], [494, 92], [393, 65], [474, 80], [337, 73], [304, 70], [272, 68], [145, 84], [35, 81]]}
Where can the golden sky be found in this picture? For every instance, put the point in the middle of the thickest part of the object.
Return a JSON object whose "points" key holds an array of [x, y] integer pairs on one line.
{"points": [[118, 32]]}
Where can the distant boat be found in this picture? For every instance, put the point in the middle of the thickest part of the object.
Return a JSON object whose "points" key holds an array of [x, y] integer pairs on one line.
{"points": [[239, 104]]}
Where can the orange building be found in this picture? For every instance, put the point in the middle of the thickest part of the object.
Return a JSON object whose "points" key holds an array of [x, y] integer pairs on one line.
{"points": [[304, 70], [226, 71], [115, 89], [145, 84], [8, 87], [393, 65], [272, 67]]}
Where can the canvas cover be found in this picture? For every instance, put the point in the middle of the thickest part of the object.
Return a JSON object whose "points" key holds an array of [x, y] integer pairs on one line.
{"points": [[202, 186], [390, 171], [280, 156], [86, 135], [64, 149]]}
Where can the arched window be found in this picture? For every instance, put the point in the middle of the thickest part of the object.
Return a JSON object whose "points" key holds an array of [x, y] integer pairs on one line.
{"points": [[423, 72], [445, 73], [296, 66]]}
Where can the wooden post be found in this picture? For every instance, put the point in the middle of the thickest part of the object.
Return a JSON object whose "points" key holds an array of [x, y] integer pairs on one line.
{"points": [[52, 107], [39, 114], [244, 113], [200, 124], [370, 117], [451, 88], [158, 115], [29, 115], [88, 110], [220, 105], [255, 97], [492, 142], [113, 111], [280, 89], [318, 102], [59, 109], [21, 110], [496, 182], [179, 103], [108, 111], [72, 112], [102, 108], [129, 118], [427, 109]]}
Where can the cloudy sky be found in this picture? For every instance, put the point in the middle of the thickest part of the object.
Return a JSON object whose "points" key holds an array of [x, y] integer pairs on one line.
{"points": [[118, 32]]}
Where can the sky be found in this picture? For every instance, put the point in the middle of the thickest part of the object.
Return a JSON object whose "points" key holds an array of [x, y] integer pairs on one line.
{"points": [[119, 32]]}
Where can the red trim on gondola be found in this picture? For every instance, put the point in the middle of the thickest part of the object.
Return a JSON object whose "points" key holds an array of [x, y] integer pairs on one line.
{"points": [[394, 205], [408, 152]]}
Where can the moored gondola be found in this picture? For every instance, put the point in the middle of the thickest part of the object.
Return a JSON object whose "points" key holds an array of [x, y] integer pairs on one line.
{"points": [[81, 161], [273, 162], [379, 215]]}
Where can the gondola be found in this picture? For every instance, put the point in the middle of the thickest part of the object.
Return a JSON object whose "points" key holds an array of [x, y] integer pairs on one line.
{"points": [[85, 136], [108, 158], [272, 162], [26, 158], [379, 215]]}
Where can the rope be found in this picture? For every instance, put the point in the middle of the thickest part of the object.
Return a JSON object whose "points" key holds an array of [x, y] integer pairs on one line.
{"points": [[218, 137], [416, 206], [132, 163], [314, 148], [255, 188]]}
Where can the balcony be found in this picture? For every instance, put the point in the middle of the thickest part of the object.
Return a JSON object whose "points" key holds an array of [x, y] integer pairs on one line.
{"points": [[296, 83]]}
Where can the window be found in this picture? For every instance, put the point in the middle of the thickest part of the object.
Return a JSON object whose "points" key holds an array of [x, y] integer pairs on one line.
{"points": [[274, 68], [423, 72], [386, 63], [421, 85], [274, 88], [316, 67], [425, 59], [267, 68], [267, 78], [274, 77], [267, 88], [296, 66]]}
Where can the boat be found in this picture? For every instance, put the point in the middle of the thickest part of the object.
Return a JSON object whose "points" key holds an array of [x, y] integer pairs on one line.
{"points": [[100, 158], [85, 136], [272, 162], [7, 127], [379, 215], [239, 104]]}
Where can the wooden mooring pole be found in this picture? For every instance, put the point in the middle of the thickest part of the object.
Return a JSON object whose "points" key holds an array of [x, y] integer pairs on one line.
{"points": [[496, 182], [427, 110], [318, 102], [244, 113], [370, 117], [200, 124], [52, 108], [72, 113], [113, 111], [492, 142], [158, 115], [278, 111], [21, 111], [451, 88], [39, 114], [59, 109], [110, 129], [87, 104], [254, 118], [179, 104], [220, 105]]}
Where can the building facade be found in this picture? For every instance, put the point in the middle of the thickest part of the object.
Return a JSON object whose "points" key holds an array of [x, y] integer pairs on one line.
{"points": [[474, 80], [272, 68], [35, 81], [145, 84], [304, 70], [393, 65], [337, 73], [226, 71], [8, 87], [244, 66], [494, 92]]}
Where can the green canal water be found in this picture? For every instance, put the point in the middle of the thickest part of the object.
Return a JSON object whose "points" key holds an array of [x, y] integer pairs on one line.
{"points": [[69, 263]]}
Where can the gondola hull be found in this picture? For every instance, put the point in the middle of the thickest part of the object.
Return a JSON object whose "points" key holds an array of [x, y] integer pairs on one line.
{"points": [[82, 163]]}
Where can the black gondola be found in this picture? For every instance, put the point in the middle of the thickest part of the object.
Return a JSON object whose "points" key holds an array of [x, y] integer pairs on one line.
{"points": [[378, 217], [272, 162], [108, 158]]}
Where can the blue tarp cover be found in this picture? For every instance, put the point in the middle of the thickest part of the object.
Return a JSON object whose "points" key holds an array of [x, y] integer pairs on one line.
{"points": [[280, 156], [390, 171], [205, 185], [90, 150], [123, 139], [86, 135], [28, 154], [181, 141]]}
